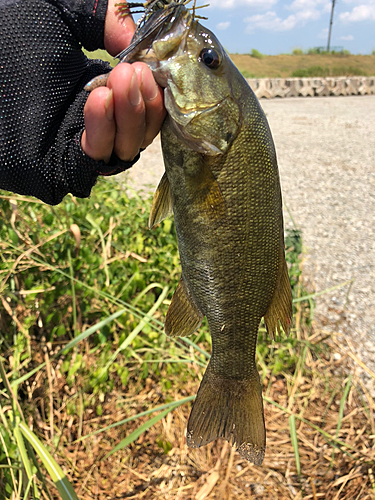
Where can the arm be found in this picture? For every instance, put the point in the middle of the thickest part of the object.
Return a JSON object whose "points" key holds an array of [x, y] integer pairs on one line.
{"points": [[44, 150]]}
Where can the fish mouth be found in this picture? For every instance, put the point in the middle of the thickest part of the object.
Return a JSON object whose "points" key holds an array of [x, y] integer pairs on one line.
{"points": [[182, 123], [184, 116]]}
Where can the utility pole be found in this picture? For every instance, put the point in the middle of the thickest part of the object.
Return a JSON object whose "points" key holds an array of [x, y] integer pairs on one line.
{"points": [[330, 26]]}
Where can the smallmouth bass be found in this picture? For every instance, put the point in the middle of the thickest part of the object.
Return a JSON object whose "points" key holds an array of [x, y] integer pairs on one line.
{"points": [[221, 181]]}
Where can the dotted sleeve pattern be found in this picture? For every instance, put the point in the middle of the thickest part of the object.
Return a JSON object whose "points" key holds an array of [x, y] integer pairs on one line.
{"points": [[43, 72]]}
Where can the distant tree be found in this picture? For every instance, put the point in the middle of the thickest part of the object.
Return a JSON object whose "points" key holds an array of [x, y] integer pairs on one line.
{"points": [[255, 53]]}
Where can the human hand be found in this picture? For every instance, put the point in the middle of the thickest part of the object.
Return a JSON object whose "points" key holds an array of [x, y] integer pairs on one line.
{"points": [[127, 114]]}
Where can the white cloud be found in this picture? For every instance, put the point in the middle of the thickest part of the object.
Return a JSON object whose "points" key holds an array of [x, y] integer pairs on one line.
{"points": [[327, 7], [323, 34], [232, 4], [223, 26], [270, 21], [348, 38], [309, 5], [363, 12]]}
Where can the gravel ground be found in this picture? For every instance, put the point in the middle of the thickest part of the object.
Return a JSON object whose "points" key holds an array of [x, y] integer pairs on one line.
{"points": [[326, 152]]}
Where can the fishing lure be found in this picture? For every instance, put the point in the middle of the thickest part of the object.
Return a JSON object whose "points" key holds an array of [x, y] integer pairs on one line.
{"points": [[151, 6]]}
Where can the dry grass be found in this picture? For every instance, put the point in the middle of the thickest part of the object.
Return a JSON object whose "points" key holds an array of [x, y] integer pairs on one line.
{"points": [[283, 65], [336, 457]]}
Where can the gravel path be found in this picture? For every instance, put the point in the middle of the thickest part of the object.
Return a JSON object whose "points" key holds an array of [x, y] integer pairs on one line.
{"points": [[326, 152]]}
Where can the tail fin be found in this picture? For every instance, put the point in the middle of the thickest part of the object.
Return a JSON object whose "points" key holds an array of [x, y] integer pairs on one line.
{"points": [[232, 409]]}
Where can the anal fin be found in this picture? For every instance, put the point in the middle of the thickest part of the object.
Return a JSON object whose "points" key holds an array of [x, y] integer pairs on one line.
{"points": [[183, 316], [162, 203]]}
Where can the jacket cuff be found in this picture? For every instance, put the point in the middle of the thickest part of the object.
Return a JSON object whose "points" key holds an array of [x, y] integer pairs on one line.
{"points": [[115, 165], [85, 19]]}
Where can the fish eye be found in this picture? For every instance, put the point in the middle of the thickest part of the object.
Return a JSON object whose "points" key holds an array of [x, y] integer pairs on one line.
{"points": [[210, 58]]}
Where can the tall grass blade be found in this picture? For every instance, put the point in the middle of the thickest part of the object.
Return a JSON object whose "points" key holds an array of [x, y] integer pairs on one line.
{"points": [[104, 251], [196, 347], [332, 439], [144, 321], [72, 344], [135, 434], [24, 457], [72, 284], [294, 438], [170, 406], [341, 410], [323, 292], [57, 475], [342, 403]]}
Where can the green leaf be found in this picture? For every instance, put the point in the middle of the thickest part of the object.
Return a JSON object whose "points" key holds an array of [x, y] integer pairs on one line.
{"points": [[170, 406], [57, 475]]}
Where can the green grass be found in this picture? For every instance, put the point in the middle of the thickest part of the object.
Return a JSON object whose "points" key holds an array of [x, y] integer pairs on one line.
{"points": [[85, 287]]}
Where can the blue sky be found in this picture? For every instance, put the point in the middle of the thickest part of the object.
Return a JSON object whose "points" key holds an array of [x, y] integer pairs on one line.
{"points": [[279, 26]]}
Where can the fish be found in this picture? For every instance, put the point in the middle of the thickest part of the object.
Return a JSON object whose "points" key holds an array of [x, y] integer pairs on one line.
{"points": [[221, 182]]}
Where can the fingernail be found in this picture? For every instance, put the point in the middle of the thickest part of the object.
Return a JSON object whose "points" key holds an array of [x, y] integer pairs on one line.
{"points": [[134, 93], [109, 107], [150, 89]]}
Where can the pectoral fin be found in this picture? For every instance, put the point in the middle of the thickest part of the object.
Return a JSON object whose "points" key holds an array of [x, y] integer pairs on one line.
{"points": [[280, 310], [206, 194], [161, 204], [183, 316]]}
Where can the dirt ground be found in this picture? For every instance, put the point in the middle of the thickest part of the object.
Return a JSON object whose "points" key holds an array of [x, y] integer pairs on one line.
{"points": [[326, 152]]}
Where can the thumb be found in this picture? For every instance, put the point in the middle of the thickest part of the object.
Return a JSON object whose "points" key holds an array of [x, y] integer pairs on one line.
{"points": [[118, 29]]}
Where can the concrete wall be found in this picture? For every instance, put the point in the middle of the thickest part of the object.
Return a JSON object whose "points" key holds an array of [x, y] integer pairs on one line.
{"points": [[312, 87]]}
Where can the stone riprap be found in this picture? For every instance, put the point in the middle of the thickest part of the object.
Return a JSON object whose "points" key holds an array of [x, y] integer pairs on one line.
{"points": [[312, 87]]}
